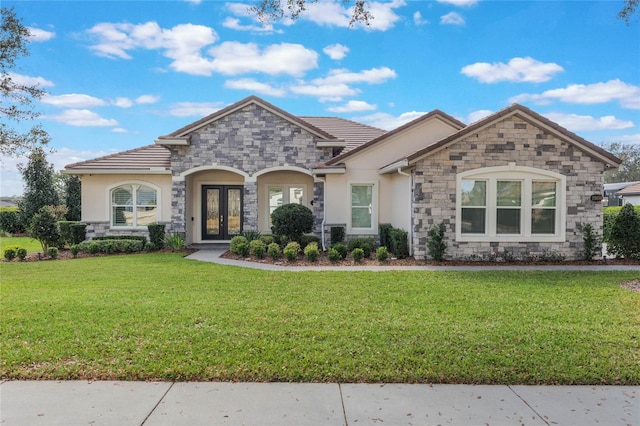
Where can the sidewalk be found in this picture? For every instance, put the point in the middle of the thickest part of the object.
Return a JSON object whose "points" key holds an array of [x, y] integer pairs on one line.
{"points": [[69, 403], [208, 255]]}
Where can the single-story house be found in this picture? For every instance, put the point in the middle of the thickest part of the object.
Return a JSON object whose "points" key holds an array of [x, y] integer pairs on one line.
{"points": [[630, 194], [514, 180], [611, 197]]}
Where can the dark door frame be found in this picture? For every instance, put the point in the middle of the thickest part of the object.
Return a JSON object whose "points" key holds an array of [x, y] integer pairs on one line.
{"points": [[222, 209]]}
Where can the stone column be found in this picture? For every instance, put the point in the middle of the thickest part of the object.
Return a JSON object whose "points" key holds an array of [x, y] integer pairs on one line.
{"points": [[318, 205], [250, 206], [178, 205]]}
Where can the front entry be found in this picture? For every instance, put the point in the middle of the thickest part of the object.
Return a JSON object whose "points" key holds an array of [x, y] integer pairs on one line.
{"points": [[221, 211]]}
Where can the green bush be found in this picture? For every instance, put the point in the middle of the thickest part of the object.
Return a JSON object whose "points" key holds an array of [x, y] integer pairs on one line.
{"points": [[52, 252], [96, 246], [78, 233], [68, 232], [242, 249], [273, 250], [385, 235], [44, 228], [334, 255], [257, 249], [609, 216], [366, 244], [341, 249], [75, 249], [156, 234], [311, 252], [175, 241], [436, 245], [10, 253], [307, 239], [624, 240], [399, 243], [592, 242], [21, 253], [237, 241], [357, 254], [10, 220], [267, 239], [292, 220], [140, 238], [382, 253], [93, 247], [291, 251], [337, 234], [251, 235]]}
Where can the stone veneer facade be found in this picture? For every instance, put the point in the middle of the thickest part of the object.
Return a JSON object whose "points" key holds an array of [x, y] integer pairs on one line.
{"points": [[249, 140], [511, 140]]}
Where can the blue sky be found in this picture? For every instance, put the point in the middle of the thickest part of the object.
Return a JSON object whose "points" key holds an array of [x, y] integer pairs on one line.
{"points": [[121, 73]]}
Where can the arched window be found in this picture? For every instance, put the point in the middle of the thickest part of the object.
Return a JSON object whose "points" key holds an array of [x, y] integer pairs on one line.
{"points": [[133, 205], [510, 204]]}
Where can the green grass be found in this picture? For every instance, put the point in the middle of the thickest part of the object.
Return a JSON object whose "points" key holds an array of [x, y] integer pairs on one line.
{"points": [[159, 316], [28, 243]]}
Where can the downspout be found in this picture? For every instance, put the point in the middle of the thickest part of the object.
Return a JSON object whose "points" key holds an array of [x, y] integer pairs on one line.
{"points": [[400, 172], [324, 210]]}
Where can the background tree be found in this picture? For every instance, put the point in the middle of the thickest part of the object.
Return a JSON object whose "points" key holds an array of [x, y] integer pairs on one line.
{"points": [[17, 99], [629, 9], [39, 188], [629, 170], [72, 197], [269, 10]]}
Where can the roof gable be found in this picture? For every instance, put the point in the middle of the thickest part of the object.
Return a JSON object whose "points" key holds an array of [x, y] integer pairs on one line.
{"points": [[530, 116]]}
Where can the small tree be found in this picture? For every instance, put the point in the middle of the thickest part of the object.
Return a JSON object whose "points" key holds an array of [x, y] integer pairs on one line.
{"points": [[436, 244], [39, 188], [72, 198], [292, 220], [592, 242], [44, 228], [625, 234]]}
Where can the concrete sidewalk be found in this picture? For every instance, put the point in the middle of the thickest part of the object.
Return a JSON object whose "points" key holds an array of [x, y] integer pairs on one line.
{"points": [[68, 403], [209, 255]]}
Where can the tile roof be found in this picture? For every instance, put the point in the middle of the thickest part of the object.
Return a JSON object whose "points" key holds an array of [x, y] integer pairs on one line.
{"points": [[630, 190], [146, 158], [353, 133]]}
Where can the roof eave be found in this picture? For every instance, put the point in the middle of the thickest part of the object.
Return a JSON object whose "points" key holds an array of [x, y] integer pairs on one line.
{"points": [[162, 140], [393, 167], [89, 171]]}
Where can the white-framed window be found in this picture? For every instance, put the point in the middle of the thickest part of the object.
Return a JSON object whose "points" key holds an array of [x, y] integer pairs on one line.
{"points": [[278, 195], [363, 208], [133, 205], [510, 204]]}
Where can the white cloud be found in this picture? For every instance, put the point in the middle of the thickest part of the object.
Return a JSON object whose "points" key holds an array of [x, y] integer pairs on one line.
{"points": [[123, 102], [119, 130], [72, 100], [198, 109], [325, 92], [336, 51], [234, 24], [82, 118], [585, 123], [478, 115], [452, 18], [459, 3], [254, 86], [518, 70], [418, 20], [626, 94], [233, 58], [26, 80], [38, 35], [147, 99], [389, 122], [371, 76], [354, 106], [334, 14]]}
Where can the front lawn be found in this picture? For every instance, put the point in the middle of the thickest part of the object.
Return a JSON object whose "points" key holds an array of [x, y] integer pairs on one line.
{"points": [[32, 245], [159, 316]]}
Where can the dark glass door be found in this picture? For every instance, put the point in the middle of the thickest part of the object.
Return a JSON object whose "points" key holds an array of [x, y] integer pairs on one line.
{"points": [[221, 211]]}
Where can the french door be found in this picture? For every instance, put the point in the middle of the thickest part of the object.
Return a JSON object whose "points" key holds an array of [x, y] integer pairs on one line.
{"points": [[221, 211]]}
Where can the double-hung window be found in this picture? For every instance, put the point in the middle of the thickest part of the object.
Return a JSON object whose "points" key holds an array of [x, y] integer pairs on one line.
{"points": [[363, 201], [510, 204], [133, 205]]}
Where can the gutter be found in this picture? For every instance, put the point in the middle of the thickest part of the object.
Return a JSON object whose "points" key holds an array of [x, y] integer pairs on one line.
{"points": [[324, 210]]}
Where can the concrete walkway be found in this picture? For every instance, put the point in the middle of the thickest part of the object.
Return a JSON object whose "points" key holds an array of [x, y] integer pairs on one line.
{"points": [[69, 403], [214, 256]]}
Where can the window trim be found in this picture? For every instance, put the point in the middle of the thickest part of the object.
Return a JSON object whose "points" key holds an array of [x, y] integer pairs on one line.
{"points": [[286, 188], [133, 183], [374, 208], [526, 175]]}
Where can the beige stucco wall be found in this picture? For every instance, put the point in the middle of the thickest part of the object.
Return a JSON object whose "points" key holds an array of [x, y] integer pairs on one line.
{"points": [[95, 196], [280, 178]]}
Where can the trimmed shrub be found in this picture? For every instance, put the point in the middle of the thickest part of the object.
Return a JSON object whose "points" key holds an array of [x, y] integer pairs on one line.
{"points": [[366, 244], [237, 241], [111, 246], [267, 239], [341, 249], [44, 228], [65, 232], [292, 220], [592, 242], [78, 233], [21, 253], [291, 251], [257, 249], [382, 253], [624, 240], [307, 239], [156, 234], [10, 253], [141, 238], [385, 235], [52, 252], [334, 255], [242, 249], [399, 243], [436, 245], [273, 250], [93, 247], [311, 252], [609, 216], [10, 220], [357, 254], [75, 249], [337, 235], [149, 247]]}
